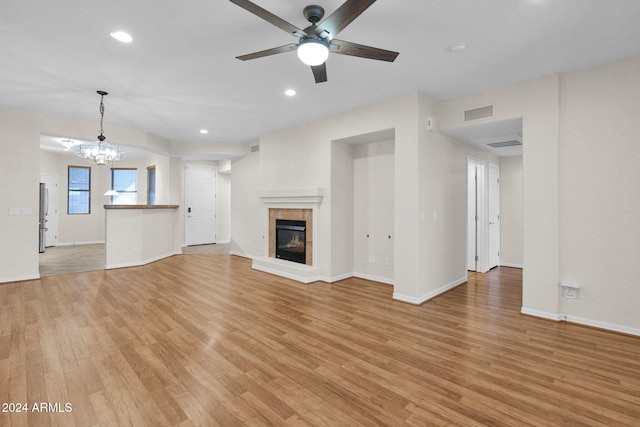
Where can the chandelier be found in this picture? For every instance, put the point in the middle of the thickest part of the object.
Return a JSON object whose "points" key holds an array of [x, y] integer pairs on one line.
{"points": [[100, 152]]}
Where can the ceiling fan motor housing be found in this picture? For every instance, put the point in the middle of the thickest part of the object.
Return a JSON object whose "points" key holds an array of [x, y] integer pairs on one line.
{"points": [[313, 13]]}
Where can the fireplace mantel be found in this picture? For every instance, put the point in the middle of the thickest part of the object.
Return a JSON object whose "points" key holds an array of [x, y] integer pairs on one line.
{"points": [[292, 196]]}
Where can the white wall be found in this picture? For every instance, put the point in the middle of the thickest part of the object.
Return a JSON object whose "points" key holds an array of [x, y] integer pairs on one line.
{"points": [[223, 208], [600, 194], [77, 228], [373, 210], [20, 140], [246, 211], [536, 101], [302, 156], [362, 184], [580, 198], [429, 175], [511, 215], [443, 200], [178, 184], [89, 228], [342, 209]]}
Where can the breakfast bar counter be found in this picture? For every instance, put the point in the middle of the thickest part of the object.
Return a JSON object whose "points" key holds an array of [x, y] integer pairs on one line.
{"points": [[140, 234]]}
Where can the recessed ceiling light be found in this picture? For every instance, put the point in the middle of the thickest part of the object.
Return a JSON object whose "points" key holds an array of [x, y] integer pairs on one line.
{"points": [[290, 92], [121, 36], [204, 131], [457, 47]]}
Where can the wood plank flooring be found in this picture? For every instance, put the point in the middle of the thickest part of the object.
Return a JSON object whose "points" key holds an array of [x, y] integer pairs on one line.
{"points": [[203, 340], [66, 259]]}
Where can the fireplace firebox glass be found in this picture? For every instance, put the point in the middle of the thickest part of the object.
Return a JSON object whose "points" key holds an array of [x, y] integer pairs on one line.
{"points": [[291, 240]]}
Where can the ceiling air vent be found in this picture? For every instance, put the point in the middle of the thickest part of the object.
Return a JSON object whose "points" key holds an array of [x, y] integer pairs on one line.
{"points": [[503, 144], [478, 113], [255, 148]]}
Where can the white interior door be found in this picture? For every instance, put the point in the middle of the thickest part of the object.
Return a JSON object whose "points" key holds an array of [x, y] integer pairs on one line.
{"points": [[476, 205], [494, 216], [200, 209], [51, 208]]}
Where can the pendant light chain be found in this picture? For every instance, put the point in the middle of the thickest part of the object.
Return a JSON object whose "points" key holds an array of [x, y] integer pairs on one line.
{"points": [[102, 94]]}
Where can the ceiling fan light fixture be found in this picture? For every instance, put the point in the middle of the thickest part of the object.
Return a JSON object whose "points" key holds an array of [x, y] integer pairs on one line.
{"points": [[313, 51], [121, 36]]}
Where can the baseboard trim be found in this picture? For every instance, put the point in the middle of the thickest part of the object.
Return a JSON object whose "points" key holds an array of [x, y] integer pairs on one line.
{"points": [[600, 325], [143, 262], [336, 278], [88, 242], [430, 295], [19, 278], [542, 314], [581, 321], [373, 278], [508, 264], [241, 254]]}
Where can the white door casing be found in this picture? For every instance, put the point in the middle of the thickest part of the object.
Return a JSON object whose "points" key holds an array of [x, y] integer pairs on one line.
{"points": [[200, 204], [471, 217], [51, 214], [494, 216]]}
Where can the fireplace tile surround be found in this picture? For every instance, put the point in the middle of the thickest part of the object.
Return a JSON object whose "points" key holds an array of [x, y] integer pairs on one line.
{"points": [[294, 204], [292, 214]]}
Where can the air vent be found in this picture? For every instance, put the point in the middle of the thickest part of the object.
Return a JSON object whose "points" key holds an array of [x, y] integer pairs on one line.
{"points": [[478, 113], [503, 144], [255, 148]]}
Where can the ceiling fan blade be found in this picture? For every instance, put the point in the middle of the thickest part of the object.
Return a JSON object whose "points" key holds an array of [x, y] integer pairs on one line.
{"points": [[343, 16], [268, 52], [354, 49], [269, 17], [320, 72]]}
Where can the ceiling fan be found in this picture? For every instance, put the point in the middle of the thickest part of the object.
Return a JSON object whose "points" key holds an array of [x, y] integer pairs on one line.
{"points": [[316, 41]]}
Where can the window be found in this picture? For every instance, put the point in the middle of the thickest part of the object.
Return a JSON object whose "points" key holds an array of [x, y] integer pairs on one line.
{"points": [[79, 190], [151, 185], [125, 182]]}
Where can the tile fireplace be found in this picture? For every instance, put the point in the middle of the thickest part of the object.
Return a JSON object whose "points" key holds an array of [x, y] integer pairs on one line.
{"points": [[290, 235]]}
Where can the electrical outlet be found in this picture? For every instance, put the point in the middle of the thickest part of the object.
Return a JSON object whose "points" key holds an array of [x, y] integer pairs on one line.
{"points": [[569, 290], [387, 262], [372, 259]]}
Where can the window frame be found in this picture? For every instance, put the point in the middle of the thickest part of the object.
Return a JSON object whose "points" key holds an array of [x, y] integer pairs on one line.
{"points": [[69, 190], [111, 186], [150, 190]]}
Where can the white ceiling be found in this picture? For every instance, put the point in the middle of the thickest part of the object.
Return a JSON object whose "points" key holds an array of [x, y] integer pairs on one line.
{"points": [[481, 134], [180, 73]]}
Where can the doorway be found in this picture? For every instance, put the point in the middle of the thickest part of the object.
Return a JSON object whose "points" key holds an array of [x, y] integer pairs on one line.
{"points": [[200, 206]]}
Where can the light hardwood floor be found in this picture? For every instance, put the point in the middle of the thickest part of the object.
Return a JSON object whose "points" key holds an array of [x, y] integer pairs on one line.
{"points": [[203, 340], [77, 258]]}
